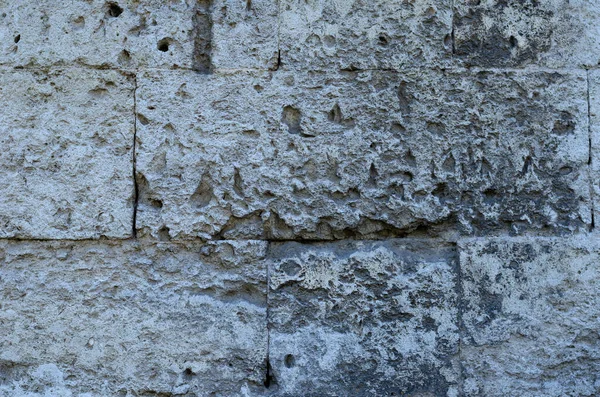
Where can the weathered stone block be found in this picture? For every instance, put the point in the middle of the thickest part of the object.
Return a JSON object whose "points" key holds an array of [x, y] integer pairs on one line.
{"points": [[67, 140], [554, 33], [363, 318], [323, 156], [132, 319], [531, 317], [134, 34], [363, 34]]}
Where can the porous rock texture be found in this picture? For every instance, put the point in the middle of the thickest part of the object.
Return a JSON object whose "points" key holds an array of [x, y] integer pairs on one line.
{"points": [[299, 198]]}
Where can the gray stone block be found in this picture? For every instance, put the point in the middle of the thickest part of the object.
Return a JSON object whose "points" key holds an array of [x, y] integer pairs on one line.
{"points": [[132, 319], [140, 34], [531, 317], [67, 138], [514, 33], [324, 156], [363, 319], [362, 34]]}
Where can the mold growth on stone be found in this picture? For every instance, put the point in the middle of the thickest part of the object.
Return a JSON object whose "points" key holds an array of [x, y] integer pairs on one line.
{"points": [[202, 30]]}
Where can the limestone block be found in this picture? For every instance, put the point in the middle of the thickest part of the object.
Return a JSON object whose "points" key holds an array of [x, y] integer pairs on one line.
{"points": [[132, 319], [363, 319], [365, 34], [137, 34], [552, 33], [531, 317], [67, 140], [323, 156]]}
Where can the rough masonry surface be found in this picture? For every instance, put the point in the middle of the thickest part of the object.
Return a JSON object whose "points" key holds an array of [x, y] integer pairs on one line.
{"points": [[299, 198]]}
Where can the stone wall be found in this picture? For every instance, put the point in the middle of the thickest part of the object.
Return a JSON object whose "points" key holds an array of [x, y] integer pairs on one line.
{"points": [[299, 198]]}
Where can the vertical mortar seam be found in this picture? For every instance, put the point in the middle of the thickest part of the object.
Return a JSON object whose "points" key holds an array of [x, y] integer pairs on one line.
{"points": [[459, 320], [136, 192], [590, 159], [267, 315]]}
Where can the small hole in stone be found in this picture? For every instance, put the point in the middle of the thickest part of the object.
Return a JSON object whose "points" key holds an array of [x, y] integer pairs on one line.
{"points": [[188, 372], [17, 38], [513, 41], [289, 361], [114, 10], [163, 234], [383, 40], [163, 45]]}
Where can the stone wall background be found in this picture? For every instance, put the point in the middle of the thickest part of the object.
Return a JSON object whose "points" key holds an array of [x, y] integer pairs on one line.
{"points": [[299, 198]]}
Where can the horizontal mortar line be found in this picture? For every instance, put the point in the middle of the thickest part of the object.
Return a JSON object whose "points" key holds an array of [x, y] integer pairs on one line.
{"points": [[449, 242], [299, 70]]}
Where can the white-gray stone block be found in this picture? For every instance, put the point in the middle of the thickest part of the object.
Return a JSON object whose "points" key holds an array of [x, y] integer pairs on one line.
{"points": [[66, 163], [323, 156], [140, 34], [132, 319], [365, 34], [363, 319], [531, 317], [514, 33]]}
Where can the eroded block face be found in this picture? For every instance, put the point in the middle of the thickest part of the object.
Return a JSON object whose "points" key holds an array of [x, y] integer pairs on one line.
{"points": [[324, 156], [132, 319], [362, 34], [244, 34], [531, 317], [363, 318], [554, 33], [137, 34], [67, 140]]}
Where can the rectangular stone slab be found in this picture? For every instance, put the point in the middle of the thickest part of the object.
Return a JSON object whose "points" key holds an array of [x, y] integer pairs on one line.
{"points": [[137, 34], [132, 318], [361, 154], [363, 318], [365, 34], [531, 316], [66, 163], [513, 33]]}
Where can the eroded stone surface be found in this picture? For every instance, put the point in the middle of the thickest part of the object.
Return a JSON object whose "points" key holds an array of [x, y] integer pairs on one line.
{"points": [[363, 318], [531, 317], [133, 34], [322, 156], [553, 33], [67, 140], [363, 34], [132, 319]]}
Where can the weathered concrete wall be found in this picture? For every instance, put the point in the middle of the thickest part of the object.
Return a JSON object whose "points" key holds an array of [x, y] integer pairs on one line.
{"points": [[299, 198]]}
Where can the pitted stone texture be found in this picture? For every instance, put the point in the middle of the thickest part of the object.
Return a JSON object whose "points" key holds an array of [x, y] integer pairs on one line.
{"points": [[132, 319], [137, 34], [67, 139], [245, 34], [531, 317], [363, 318], [363, 34], [551, 33], [328, 156]]}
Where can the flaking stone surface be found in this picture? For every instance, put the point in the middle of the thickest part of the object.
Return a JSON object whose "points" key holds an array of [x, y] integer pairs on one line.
{"points": [[531, 317], [365, 34], [132, 319], [363, 319], [67, 138], [326, 156], [138, 34], [516, 33]]}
